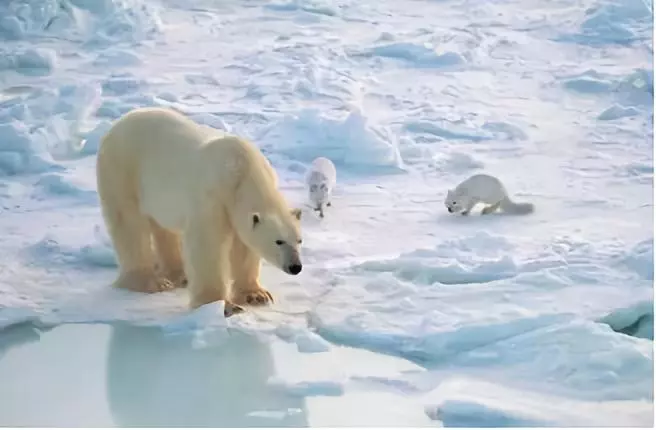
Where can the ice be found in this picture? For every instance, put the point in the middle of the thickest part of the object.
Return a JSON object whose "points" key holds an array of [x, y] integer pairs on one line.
{"points": [[545, 320], [419, 55], [636, 320], [347, 142], [470, 403], [615, 22], [309, 388]]}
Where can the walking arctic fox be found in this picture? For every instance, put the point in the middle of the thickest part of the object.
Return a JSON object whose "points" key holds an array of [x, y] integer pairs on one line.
{"points": [[320, 181], [486, 189]]}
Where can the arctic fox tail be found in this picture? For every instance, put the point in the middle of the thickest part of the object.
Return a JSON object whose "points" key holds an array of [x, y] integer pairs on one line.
{"points": [[511, 207]]}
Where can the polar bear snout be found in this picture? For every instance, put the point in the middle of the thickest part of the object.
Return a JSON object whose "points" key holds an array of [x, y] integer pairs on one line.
{"points": [[294, 269], [293, 265]]}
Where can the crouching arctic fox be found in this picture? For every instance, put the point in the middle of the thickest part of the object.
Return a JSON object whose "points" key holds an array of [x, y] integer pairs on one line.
{"points": [[320, 181], [485, 189]]}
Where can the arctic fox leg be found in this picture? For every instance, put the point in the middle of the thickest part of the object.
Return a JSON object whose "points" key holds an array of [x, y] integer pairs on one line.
{"points": [[491, 208], [469, 207]]}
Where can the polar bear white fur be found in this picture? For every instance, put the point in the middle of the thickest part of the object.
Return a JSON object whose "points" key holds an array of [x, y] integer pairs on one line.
{"points": [[184, 203]]}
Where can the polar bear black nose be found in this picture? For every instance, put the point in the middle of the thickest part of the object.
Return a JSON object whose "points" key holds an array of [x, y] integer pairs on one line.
{"points": [[295, 269]]}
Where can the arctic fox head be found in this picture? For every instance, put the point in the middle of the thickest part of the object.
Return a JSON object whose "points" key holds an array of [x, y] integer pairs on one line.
{"points": [[455, 202], [319, 193]]}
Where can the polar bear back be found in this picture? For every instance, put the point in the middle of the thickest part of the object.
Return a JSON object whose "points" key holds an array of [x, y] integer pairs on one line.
{"points": [[176, 164]]}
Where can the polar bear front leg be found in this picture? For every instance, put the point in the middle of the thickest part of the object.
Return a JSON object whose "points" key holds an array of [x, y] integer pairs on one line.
{"points": [[206, 247], [245, 270]]}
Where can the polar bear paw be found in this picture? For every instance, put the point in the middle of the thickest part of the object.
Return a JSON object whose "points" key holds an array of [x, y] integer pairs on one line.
{"points": [[257, 296], [177, 277], [142, 281], [230, 309]]}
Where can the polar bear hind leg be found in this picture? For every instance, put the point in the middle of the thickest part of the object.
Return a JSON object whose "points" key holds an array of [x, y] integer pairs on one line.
{"points": [[169, 252], [130, 233], [245, 271]]}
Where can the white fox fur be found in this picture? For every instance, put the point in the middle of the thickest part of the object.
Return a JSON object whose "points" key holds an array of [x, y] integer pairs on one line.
{"points": [[485, 189], [320, 181]]}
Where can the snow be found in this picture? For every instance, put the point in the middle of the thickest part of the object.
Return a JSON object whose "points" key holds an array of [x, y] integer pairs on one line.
{"points": [[541, 320]]}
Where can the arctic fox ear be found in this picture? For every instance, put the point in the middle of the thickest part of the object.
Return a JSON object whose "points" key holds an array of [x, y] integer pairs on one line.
{"points": [[296, 213], [256, 219]]}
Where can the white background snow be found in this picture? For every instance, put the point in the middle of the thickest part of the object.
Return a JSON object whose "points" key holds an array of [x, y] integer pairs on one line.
{"points": [[508, 318]]}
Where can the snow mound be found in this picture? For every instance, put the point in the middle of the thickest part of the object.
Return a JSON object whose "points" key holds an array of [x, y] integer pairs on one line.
{"points": [[101, 21], [313, 7], [25, 17], [349, 142], [640, 259], [445, 129], [634, 89], [23, 150], [617, 112], [610, 22], [39, 126], [56, 184], [636, 320], [120, 84], [418, 55], [31, 61], [468, 402], [50, 250], [456, 162], [476, 259]]}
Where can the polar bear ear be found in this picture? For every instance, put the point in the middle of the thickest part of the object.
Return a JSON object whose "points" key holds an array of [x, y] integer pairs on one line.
{"points": [[296, 213], [256, 219]]}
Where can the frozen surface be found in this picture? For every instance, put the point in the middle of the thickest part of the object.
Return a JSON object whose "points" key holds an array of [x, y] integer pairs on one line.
{"points": [[126, 376], [508, 320]]}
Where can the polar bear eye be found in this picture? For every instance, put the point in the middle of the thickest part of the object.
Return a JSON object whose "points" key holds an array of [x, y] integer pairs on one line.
{"points": [[300, 241], [280, 242]]}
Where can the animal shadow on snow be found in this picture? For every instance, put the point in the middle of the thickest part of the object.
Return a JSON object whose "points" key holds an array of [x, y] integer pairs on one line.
{"points": [[160, 380], [474, 217]]}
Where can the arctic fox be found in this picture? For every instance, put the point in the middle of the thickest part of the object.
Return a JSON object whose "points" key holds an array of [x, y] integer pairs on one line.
{"points": [[483, 189], [320, 181]]}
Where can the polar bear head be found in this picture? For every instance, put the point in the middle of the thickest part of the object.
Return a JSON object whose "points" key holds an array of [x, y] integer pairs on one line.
{"points": [[276, 237]]}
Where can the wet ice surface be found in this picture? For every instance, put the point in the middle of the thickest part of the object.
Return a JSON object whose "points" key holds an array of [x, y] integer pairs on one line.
{"points": [[127, 376]]}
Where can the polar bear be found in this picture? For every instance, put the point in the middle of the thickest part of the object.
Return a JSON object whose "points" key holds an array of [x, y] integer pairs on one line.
{"points": [[183, 204]]}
